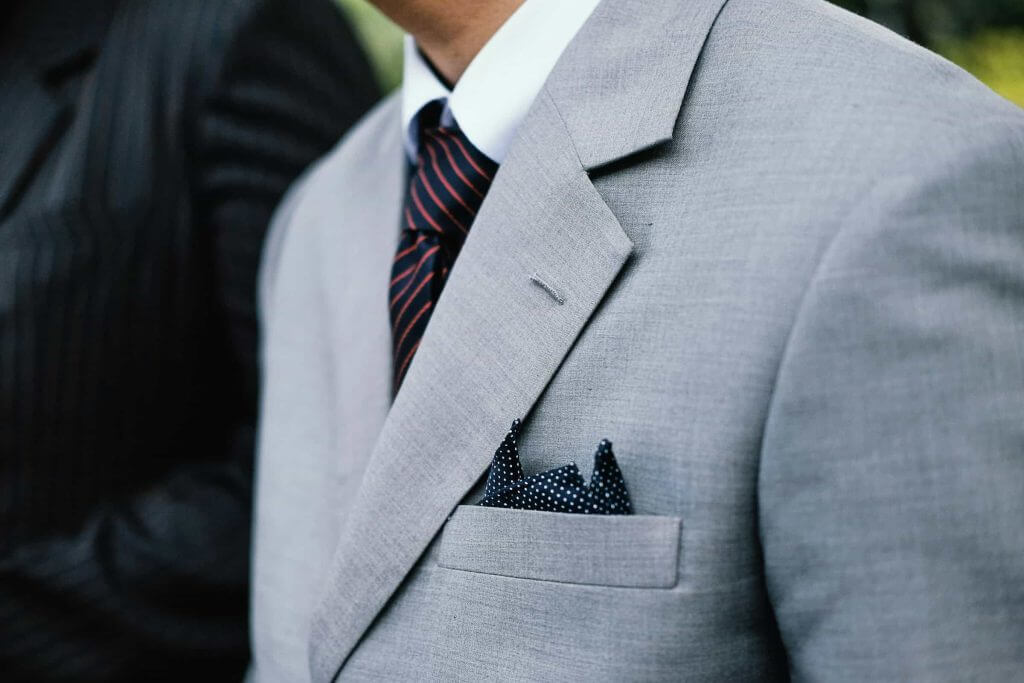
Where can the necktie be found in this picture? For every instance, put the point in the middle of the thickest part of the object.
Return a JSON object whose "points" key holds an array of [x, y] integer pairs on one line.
{"points": [[445, 191]]}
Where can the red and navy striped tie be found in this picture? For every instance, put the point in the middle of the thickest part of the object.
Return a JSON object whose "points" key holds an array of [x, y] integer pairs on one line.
{"points": [[445, 192]]}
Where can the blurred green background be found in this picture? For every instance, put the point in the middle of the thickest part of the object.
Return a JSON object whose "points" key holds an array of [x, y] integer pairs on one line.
{"points": [[986, 37]]}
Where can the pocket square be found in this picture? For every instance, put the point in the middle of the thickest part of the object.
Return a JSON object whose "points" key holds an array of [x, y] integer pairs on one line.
{"points": [[559, 490]]}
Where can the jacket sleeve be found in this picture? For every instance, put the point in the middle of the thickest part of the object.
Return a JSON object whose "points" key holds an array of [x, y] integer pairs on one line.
{"points": [[156, 588], [891, 491]]}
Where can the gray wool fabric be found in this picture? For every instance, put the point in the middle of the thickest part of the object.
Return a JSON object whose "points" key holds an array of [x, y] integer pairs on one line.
{"points": [[789, 248]]}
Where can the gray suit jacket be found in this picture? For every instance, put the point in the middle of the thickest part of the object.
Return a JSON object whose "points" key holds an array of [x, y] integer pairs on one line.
{"points": [[790, 248]]}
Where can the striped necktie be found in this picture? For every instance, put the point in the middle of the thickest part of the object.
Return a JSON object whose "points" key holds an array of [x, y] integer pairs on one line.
{"points": [[445, 191]]}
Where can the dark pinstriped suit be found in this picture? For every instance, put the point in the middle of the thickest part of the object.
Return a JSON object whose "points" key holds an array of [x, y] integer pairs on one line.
{"points": [[143, 147]]}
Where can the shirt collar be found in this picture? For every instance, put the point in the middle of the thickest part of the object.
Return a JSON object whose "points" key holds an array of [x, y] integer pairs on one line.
{"points": [[499, 85]]}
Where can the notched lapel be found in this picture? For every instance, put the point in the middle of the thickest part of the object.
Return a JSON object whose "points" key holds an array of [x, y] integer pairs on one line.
{"points": [[493, 343], [497, 336], [620, 84]]}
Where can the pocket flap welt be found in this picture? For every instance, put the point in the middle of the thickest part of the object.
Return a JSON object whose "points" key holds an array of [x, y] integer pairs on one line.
{"points": [[635, 551]]}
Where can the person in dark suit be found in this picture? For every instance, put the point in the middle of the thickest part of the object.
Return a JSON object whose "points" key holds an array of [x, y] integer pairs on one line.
{"points": [[143, 148]]}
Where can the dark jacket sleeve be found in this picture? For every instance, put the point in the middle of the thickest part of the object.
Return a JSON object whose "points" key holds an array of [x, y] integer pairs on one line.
{"points": [[156, 588]]}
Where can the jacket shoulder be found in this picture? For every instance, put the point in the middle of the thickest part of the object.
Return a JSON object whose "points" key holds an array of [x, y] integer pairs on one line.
{"points": [[826, 89], [827, 59]]}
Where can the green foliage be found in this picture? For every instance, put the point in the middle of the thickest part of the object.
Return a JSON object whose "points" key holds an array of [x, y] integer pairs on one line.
{"points": [[930, 22], [381, 39], [995, 56]]}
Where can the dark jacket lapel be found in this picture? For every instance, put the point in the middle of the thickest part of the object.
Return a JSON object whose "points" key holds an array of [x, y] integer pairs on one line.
{"points": [[30, 120], [49, 42]]}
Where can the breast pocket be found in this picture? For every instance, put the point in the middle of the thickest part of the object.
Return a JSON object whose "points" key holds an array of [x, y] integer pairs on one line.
{"points": [[629, 551]]}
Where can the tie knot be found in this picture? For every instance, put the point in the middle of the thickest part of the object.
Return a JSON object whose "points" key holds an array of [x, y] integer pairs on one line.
{"points": [[449, 182], [447, 153]]}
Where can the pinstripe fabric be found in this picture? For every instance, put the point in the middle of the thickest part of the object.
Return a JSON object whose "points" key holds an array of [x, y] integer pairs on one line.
{"points": [[143, 148], [445, 192]]}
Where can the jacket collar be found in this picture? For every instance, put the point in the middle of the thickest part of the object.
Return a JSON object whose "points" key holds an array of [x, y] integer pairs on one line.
{"points": [[619, 86]]}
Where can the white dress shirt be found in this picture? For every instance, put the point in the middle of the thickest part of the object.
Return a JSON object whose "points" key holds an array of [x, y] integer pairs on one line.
{"points": [[499, 85]]}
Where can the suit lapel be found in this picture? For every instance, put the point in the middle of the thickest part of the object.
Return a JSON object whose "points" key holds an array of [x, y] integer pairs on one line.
{"points": [[493, 342], [30, 120], [497, 337], [51, 42]]}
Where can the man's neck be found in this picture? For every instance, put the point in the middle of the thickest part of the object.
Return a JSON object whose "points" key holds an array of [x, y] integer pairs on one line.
{"points": [[450, 32]]}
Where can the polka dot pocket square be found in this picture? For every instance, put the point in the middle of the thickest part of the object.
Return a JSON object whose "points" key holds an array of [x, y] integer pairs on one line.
{"points": [[558, 490]]}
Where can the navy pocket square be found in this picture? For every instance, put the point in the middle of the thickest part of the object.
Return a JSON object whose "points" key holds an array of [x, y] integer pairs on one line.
{"points": [[559, 490]]}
